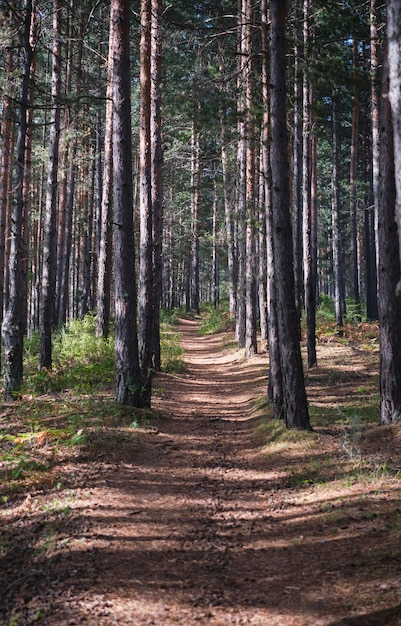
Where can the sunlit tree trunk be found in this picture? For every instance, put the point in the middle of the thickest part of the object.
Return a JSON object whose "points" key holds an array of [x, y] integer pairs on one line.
{"points": [[146, 288], [275, 387], [5, 159], [157, 174], [49, 237], [13, 323], [375, 114], [240, 327], [195, 200], [295, 404], [394, 56], [250, 247], [388, 270], [106, 230], [262, 253], [308, 257], [128, 384]]}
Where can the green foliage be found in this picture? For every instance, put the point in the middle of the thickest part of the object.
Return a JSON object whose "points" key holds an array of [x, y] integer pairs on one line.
{"points": [[325, 309], [171, 351], [214, 320], [81, 361]]}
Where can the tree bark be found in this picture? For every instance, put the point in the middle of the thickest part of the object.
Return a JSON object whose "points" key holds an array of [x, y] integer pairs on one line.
{"points": [[157, 175], [251, 345], [375, 121], [240, 327], [295, 403], [394, 59], [13, 323], [49, 238], [195, 200], [106, 230], [388, 270], [146, 287], [275, 387], [339, 304], [308, 257], [7, 143], [353, 182], [128, 384]]}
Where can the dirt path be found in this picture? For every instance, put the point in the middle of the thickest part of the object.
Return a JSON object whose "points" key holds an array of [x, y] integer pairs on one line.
{"points": [[193, 524]]}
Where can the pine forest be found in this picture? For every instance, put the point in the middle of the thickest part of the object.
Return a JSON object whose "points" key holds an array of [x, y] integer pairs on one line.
{"points": [[200, 228]]}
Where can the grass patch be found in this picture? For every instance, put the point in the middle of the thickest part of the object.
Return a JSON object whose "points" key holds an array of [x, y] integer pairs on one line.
{"points": [[215, 320], [70, 410]]}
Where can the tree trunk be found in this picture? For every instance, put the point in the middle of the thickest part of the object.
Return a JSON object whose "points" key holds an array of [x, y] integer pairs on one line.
{"points": [[251, 345], [299, 137], [157, 175], [262, 250], [106, 230], [394, 57], [275, 388], [339, 305], [215, 256], [7, 143], [49, 237], [375, 121], [128, 384], [13, 323], [146, 288], [308, 257], [388, 271], [240, 328], [295, 403], [195, 200], [353, 183]]}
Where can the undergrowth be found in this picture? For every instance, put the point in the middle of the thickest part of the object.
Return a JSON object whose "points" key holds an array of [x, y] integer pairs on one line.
{"points": [[64, 411], [215, 320]]}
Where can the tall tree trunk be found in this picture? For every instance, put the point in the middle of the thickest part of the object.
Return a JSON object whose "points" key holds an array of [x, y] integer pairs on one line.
{"points": [[251, 345], [128, 384], [87, 226], [157, 175], [106, 230], [146, 289], [229, 224], [339, 305], [7, 143], [215, 256], [353, 182], [65, 260], [299, 137], [295, 403], [65, 161], [13, 323], [375, 121], [262, 250], [49, 238], [394, 57], [388, 270], [275, 388], [240, 327], [308, 257], [195, 200]]}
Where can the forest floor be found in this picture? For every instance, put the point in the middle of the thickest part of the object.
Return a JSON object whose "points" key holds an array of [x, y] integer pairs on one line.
{"points": [[212, 513]]}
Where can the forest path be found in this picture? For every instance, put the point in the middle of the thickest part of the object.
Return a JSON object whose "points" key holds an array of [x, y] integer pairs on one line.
{"points": [[196, 523]]}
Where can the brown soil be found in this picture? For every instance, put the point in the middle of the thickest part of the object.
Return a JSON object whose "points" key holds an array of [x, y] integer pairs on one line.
{"points": [[195, 520]]}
